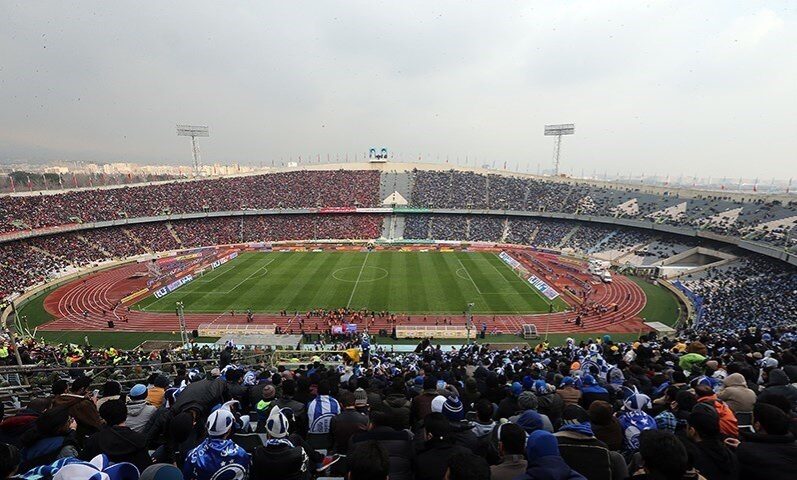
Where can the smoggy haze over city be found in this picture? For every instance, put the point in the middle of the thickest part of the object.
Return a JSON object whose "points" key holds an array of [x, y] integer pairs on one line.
{"points": [[694, 88]]}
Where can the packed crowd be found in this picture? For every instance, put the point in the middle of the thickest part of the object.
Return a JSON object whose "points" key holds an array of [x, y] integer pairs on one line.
{"points": [[750, 291], [434, 189], [540, 232], [324, 188], [699, 406], [28, 262], [457, 189]]}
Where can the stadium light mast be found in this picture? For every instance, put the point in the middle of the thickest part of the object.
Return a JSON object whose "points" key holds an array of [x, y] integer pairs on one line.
{"points": [[557, 131], [193, 131]]}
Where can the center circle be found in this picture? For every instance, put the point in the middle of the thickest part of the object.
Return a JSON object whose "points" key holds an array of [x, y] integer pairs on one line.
{"points": [[365, 274]]}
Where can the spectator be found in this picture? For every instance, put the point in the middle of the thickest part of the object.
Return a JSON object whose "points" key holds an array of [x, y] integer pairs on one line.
{"points": [[368, 461], [347, 423], [710, 456], [771, 452], [53, 437], [438, 448], [736, 394], [139, 411], [544, 461], [117, 441], [511, 448], [605, 425], [279, 457], [217, 455], [663, 457], [467, 466], [81, 408], [397, 443], [583, 452]]}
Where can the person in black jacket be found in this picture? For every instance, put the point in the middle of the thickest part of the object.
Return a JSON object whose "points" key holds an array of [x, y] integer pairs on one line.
{"points": [[52, 437], [368, 462], [202, 395], [118, 442], [712, 458], [397, 443], [439, 447], [771, 452]]}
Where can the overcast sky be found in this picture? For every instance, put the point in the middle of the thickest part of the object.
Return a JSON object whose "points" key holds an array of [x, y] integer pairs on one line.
{"points": [[693, 87]]}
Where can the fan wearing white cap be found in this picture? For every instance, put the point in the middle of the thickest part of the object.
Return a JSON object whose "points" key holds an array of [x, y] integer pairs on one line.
{"points": [[279, 457], [217, 456]]}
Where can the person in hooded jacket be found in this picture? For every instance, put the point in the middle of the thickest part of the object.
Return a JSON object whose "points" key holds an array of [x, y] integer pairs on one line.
{"points": [[710, 456], [117, 441], [736, 394], [138, 410], [778, 384], [52, 437], [544, 460]]}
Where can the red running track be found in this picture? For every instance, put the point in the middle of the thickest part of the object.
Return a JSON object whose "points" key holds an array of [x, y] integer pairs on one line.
{"points": [[100, 292]]}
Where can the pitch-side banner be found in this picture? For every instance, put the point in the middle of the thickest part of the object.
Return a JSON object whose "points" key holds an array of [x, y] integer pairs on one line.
{"points": [[509, 260], [162, 292], [543, 287]]}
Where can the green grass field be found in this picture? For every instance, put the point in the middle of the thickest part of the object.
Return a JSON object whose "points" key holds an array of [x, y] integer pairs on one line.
{"points": [[403, 282]]}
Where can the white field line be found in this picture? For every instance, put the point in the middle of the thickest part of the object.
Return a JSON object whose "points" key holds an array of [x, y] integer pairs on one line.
{"points": [[531, 287], [354, 289], [249, 277], [469, 277]]}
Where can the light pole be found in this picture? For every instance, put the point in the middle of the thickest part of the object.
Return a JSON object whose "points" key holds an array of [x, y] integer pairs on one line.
{"points": [[469, 320], [183, 330]]}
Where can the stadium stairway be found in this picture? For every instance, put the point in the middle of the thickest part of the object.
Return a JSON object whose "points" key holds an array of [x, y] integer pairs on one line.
{"points": [[94, 245], [136, 240], [605, 240], [567, 236], [173, 232]]}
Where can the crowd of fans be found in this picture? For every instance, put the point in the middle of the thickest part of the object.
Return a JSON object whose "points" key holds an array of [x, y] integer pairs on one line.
{"points": [[749, 291], [540, 232], [458, 189], [28, 262], [700, 405], [311, 189], [433, 189]]}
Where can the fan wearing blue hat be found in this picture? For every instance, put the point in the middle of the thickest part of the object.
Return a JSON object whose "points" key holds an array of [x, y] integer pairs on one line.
{"points": [[217, 456], [138, 410]]}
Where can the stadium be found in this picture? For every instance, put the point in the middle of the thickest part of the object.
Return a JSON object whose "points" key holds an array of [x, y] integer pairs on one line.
{"points": [[405, 250], [366, 241]]}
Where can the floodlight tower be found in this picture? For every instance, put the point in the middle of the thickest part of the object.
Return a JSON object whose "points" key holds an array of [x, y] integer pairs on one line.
{"points": [[557, 131], [193, 131]]}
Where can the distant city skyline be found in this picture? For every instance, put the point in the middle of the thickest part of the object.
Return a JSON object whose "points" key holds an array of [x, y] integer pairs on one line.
{"points": [[693, 89]]}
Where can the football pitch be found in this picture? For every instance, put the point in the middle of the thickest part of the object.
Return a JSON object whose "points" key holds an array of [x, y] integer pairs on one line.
{"points": [[399, 282]]}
